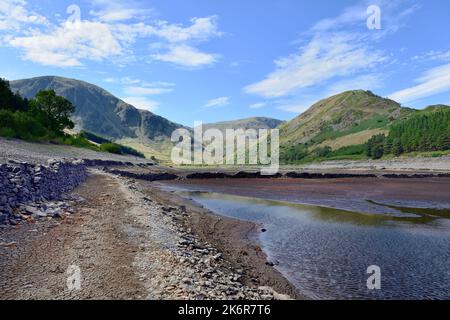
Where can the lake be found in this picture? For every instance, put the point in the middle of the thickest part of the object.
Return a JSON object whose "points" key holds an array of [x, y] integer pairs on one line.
{"points": [[325, 251]]}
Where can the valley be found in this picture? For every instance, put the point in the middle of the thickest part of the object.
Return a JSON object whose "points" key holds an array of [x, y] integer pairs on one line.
{"points": [[356, 168]]}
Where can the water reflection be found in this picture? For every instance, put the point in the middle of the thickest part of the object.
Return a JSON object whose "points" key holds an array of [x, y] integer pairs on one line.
{"points": [[409, 215], [325, 252]]}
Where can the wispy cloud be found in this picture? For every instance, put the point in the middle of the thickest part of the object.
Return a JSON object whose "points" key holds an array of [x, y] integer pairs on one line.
{"points": [[14, 15], [258, 105], [142, 103], [338, 50], [69, 43], [185, 55], [123, 80], [364, 82], [433, 55], [119, 10], [218, 102], [323, 58], [149, 89], [431, 82], [296, 106], [108, 35]]}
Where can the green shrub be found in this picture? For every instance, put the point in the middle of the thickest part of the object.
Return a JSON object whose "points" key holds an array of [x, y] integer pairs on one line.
{"points": [[7, 133], [76, 141], [322, 152], [375, 146], [110, 147], [116, 148], [93, 137], [21, 125]]}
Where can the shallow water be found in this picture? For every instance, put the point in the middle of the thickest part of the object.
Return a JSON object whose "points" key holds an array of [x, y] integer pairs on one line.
{"points": [[325, 252]]}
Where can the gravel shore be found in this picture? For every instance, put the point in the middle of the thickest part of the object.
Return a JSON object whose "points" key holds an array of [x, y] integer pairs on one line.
{"points": [[127, 244], [40, 153], [441, 164]]}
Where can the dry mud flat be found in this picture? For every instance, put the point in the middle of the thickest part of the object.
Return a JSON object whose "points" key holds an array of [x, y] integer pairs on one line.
{"points": [[134, 243]]}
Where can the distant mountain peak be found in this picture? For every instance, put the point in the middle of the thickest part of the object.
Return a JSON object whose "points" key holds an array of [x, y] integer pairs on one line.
{"points": [[246, 123], [341, 112], [98, 111]]}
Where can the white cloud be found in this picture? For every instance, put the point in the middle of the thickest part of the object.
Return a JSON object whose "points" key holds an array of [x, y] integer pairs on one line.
{"points": [[124, 80], [142, 103], [364, 82], [115, 14], [323, 58], [339, 49], [433, 55], [218, 102], [201, 29], [119, 10], [187, 56], [392, 14], [432, 82], [152, 89], [258, 105], [105, 37], [13, 15], [69, 43], [297, 106], [350, 15]]}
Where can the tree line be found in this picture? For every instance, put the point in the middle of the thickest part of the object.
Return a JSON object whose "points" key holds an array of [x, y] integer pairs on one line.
{"points": [[422, 132], [44, 118]]}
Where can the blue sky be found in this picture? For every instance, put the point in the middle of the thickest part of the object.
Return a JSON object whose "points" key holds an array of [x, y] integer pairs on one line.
{"points": [[222, 60]]}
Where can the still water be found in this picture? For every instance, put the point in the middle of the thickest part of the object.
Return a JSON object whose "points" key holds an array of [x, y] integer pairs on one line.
{"points": [[325, 252]]}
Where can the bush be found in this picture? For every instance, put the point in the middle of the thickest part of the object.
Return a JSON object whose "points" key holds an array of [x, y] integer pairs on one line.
{"points": [[75, 141], [21, 125], [375, 146], [53, 110], [322, 152], [359, 149], [110, 147], [93, 137]]}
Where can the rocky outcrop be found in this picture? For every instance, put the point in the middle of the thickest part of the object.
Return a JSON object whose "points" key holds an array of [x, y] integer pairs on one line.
{"points": [[22, 183]]}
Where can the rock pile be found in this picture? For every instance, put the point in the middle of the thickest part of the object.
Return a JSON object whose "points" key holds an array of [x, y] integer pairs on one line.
{"points": [[23, 183], [188, 267]]}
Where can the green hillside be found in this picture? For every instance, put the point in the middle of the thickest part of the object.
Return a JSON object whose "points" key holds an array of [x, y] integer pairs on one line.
{"points": [[46, 117], [341, 126]]}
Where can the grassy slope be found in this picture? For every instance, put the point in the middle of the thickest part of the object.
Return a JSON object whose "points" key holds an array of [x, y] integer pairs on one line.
{"points": [[341, 120], [360, 137]]}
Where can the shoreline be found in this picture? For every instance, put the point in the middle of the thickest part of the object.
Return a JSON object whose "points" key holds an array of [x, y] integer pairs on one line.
{"points": [[234, 238], [135, 242]]}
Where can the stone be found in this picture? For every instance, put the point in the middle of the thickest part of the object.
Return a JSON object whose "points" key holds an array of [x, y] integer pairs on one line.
{"points": [[3, 218], [29, 210], [217, 256], [24, 183]]}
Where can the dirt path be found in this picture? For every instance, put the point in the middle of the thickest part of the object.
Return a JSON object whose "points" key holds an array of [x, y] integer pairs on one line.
{"points": [[92, 240], [127, 244]]}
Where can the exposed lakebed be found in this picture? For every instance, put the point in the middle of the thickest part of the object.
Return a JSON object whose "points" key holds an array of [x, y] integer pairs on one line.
{"points": [[325, 251]]}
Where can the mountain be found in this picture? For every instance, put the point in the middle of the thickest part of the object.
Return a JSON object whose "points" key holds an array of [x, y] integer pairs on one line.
{"points": [[248, 123], [348, 118], [99, 112]]}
